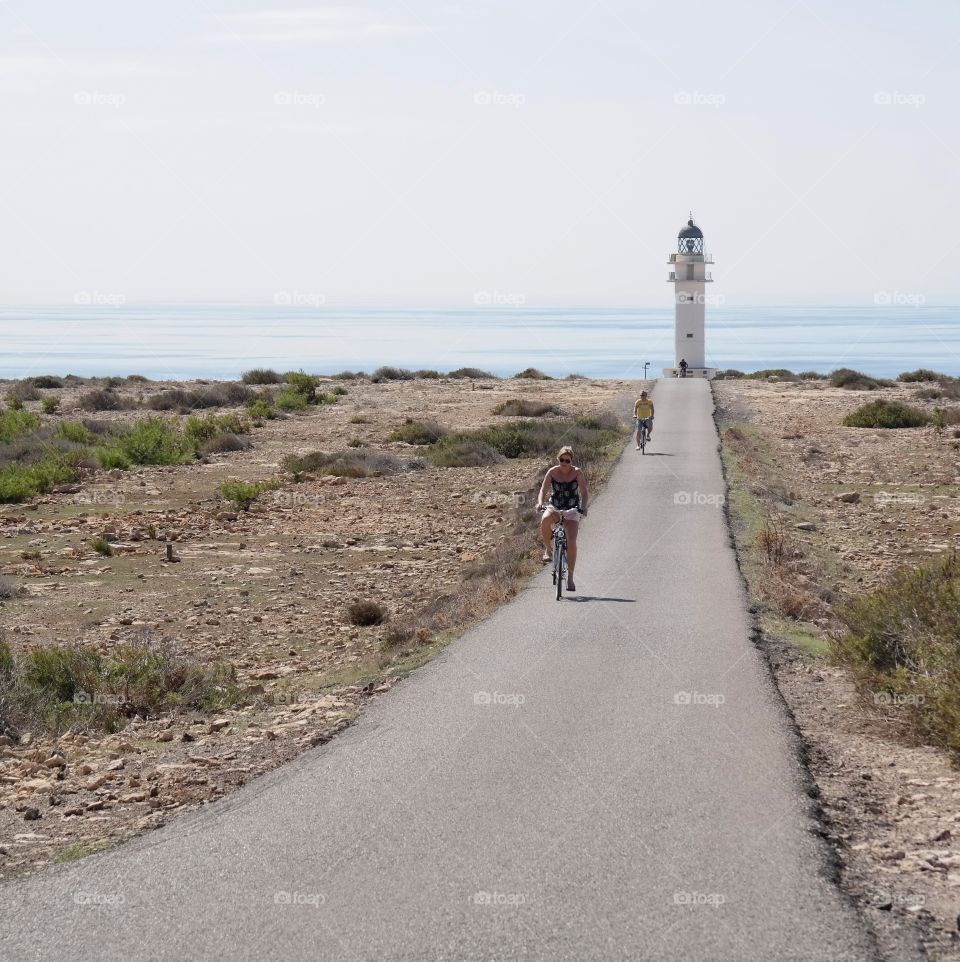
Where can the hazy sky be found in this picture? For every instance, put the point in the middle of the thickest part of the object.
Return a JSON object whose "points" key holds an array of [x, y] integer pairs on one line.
{"points": [[421, 152]]}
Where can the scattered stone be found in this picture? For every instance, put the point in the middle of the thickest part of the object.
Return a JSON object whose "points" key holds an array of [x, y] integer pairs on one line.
{"points": [[31, 814], [849, 497]]}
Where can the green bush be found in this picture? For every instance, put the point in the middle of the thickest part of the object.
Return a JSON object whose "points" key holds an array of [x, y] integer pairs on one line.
{"points": [[15, 403], [19, 482], [811, 376], [886, 414], [471, 372], [200, 429], [392, 374], [49, 405], [781, 373], [459, 451], [532, 374], [17, 424], [302, 383], [731, 374], [150, 440], [852, 380], [261, 408], [261, 375], [290, 399], [75, 432], [64, 686], [418, 432], [102, 546], [242, 494], [901, 642], [921, 374], [46, 381]]}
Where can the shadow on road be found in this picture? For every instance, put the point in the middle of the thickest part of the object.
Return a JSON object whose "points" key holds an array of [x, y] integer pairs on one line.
{"points": [[629, 601]]}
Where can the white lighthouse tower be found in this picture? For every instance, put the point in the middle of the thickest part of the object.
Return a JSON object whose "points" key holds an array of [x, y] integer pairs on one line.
{"points": [[689, 278]]}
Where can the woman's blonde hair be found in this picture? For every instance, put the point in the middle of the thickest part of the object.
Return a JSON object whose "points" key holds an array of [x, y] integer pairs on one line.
{"points": [[566, 449]]}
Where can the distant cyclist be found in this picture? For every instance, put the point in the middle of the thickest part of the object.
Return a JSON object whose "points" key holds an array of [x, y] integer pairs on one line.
{"points": [[568, 500], [683, 367], [643, 414]]}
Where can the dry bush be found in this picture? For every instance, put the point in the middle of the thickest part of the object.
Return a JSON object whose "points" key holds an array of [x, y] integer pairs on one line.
{"points": [[364, 613]]}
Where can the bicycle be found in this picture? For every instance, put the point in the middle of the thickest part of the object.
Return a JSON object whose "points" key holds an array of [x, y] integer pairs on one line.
{"points": [[559, 559], [643, 434]]}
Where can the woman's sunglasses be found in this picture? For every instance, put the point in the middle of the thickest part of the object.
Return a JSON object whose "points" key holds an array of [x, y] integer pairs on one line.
{"points": [[565, 461]]}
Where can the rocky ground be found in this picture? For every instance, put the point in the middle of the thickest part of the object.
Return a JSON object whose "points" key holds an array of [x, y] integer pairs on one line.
{"points": [[851, 505], [265, 590]]}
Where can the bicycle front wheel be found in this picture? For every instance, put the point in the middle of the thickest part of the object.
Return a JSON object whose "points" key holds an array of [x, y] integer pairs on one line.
{"points": [[561, 571]]}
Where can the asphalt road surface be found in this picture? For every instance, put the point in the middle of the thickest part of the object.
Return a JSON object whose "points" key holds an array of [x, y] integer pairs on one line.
{"points": [[612, 776]]}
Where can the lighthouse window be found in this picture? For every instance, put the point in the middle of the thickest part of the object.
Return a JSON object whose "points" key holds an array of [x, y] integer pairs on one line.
{"points": [[689, 335]]}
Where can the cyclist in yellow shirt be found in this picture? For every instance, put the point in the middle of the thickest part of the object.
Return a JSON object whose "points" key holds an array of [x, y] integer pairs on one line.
{"points": [[643, 412]]}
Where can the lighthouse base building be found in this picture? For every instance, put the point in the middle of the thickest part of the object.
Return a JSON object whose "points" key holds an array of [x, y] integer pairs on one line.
{"points": [[690, 277]]}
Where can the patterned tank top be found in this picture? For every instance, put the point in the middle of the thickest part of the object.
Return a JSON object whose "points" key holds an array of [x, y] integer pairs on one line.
{"points": [[566, 494]]}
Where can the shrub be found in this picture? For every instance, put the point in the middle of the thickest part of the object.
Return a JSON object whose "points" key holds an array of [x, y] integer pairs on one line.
{"points": [[886, 414], [227, 394], [102, 546], [355, 443], [366, 613], [532, 374], [902, 644], [75, 432], [340, 391], [418, 432], [242, 494], [8, 589], [17, 424], [521, 407], [781, 373], [392, 374], [62, 686], [46, 381], [150, 440], [460, 451], [354, 463], [200, 429], [428, 375], [24, 391], [359, 419], [261, 408], [731, 374], [138, 379], [15, 403], [49, 405], [852, 380], [289, 399], [921, 374], [18, 482], [224, 443], [349, 375], [261, 375], [471, 372], [811, 376], [103, 400]]}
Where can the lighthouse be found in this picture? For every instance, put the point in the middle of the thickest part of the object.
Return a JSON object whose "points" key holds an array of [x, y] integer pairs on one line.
{"points": [[689, 278]]}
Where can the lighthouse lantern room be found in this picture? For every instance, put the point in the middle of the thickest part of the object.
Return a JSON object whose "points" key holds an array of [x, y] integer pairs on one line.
{"points": [[689, 278]]}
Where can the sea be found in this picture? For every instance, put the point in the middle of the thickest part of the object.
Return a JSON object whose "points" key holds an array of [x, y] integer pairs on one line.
{"points": [[220, 341]]}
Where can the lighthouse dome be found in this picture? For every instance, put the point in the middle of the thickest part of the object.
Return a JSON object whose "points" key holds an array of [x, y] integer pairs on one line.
{"points": [[690, 239]]}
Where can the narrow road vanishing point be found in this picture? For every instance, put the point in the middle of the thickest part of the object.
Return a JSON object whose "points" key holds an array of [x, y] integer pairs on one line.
{"points": [[613, 776]]}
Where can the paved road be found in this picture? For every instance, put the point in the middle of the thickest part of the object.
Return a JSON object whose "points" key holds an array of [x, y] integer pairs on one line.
{"points": [[609, 777]]}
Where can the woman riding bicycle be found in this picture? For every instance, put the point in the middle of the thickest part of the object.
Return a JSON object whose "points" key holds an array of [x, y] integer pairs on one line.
{"points": [[568, 500]]}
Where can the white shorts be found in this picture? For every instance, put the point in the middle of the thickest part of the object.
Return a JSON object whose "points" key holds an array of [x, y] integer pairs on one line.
{"points": [[571, 514]]}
